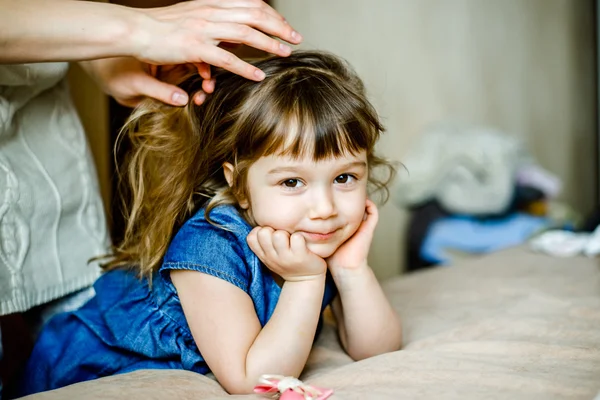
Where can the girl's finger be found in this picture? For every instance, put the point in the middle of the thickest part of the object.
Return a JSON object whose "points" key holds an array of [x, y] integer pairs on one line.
{"points": [[252, 240], [281, 243], [265, 239], [298, 244], [371, 218]]}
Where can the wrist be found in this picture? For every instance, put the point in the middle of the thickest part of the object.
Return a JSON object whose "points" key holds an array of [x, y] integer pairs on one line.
{"points": [[357, 268], [135, 27], [118, 34], [306, 278], [346, 276]]}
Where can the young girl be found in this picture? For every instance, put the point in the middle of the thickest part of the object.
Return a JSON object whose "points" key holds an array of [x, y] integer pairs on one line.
{"points": [[249, 216]]}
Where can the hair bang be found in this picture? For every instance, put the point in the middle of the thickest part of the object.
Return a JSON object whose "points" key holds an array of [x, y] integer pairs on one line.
{"points": [[322, 130]]}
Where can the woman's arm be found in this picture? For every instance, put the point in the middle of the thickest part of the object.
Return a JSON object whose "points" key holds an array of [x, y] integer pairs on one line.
{"points": [[65, 30], [228, 333], [187, 32]]}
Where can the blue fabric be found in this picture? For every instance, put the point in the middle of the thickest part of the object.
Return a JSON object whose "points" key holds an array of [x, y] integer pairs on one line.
{"points": [[129, 326], [472, 235]]}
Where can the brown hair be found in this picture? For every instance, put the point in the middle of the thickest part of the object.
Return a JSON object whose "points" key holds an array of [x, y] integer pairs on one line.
{"points": [[176, 162]]}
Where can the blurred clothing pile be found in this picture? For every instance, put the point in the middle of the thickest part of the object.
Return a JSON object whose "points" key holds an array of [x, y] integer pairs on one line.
{"points": [[474, 190]]}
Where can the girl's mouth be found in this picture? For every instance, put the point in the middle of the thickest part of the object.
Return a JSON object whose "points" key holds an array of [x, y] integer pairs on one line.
{"points": [[319, 237]]}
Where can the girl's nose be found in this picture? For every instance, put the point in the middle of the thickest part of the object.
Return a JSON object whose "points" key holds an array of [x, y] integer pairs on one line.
{"points": [[322, 205]]}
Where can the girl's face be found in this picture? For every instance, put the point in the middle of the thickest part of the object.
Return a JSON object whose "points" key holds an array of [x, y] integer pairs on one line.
{"points": [[324, 201]]}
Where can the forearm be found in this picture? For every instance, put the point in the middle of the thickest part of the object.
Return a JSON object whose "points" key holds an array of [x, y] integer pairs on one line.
{"points": [[145, 3], [65, 30], [283, 345], [370, 325]]}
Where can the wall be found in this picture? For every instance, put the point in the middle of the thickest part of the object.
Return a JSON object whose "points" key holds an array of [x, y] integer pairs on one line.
{"points": [[525, 66], [92, 105]]}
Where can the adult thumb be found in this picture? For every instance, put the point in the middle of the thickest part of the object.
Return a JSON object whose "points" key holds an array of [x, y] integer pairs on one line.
{"points": [[169, 94]]}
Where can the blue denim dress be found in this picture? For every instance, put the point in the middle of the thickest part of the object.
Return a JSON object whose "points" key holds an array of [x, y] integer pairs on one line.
{"points": [[129, 325]]}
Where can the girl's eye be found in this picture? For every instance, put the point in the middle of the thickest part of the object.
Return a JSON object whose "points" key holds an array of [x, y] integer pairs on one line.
{"points": [[344, 179], [292, 183]]}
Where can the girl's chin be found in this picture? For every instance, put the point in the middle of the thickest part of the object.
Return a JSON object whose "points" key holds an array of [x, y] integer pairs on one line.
{"points": [[322, 250]]}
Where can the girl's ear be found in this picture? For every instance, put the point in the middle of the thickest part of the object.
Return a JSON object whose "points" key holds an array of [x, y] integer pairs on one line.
{"points": [[228, 171]]}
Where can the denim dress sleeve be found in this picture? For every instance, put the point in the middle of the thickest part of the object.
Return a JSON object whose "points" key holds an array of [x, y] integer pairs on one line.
{"points": [[218, 249]]}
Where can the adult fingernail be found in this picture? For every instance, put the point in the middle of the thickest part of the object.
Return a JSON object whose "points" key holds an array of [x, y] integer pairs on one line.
{"points": [[296, 36], [259, 74], [179, 98], [200, 98], [285, 49]]}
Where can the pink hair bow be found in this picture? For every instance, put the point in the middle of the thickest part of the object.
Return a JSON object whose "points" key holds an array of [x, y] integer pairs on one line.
{"points": [[290, 388]]}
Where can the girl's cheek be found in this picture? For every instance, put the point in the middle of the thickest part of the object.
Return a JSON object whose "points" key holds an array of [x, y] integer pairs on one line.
{"points": [[278, 213], [355, 207]]}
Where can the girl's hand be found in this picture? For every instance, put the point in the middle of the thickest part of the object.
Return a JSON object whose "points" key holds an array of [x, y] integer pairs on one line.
{"points": [[190, 32], [285, 254], [353, 253]]}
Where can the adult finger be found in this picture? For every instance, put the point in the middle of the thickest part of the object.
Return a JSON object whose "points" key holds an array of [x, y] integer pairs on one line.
{"points": [[151, 69], [208, 85], [199, 98], [226, 60], [241, 33], [257, 18], [203, 70], [167, 93], [272, 11], [260, 4]]}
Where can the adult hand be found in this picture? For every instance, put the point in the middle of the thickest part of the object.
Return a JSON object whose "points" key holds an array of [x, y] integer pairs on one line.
{"points": [[129, 80], [190, 32], [285, 254]]}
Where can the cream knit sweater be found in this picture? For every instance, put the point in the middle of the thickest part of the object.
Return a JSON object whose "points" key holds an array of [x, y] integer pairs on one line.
{"points": [[51, 215]]}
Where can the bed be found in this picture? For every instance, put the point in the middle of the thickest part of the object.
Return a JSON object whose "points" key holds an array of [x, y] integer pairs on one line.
{"points": [[511, 325]]}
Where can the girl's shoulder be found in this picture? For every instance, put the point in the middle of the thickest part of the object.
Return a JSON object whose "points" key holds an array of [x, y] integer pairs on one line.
{"points": [[218, 247], [226, 224], [223, 216]]}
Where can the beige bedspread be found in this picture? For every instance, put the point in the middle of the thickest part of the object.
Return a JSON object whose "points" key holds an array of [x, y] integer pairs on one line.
{"points": [[512, 325]]}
